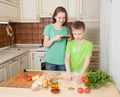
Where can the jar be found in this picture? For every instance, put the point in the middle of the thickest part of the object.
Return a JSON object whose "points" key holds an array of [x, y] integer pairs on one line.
{"points": [[45, 83]]}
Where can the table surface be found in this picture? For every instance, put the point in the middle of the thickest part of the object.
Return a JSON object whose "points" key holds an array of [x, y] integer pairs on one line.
{"points": [[14, 88]]}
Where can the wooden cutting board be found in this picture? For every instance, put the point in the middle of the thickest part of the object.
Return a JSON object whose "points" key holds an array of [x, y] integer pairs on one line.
{"points": [[14, 81]]}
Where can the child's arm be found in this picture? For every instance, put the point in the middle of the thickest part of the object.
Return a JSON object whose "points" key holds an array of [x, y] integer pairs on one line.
{"points": [[67, 65], [85, 66], [67, 61], [81, 73], [48, 42]]}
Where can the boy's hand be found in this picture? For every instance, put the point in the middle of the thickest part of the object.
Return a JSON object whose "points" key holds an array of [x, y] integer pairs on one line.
{"points": [[78, 79], [68, 76]]}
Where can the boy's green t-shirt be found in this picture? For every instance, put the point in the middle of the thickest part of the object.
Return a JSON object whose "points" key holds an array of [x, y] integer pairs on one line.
{"points": [[78, 53], [56, 52]]}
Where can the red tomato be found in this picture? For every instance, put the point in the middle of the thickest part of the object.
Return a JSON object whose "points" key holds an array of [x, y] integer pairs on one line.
{"points": [[80, 90], [85, 79], [87, 90], [29, 78], [21, 79], [29, 74]]}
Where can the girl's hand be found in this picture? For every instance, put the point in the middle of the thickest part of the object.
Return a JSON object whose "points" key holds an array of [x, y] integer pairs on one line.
{"points": [[57, 38]]}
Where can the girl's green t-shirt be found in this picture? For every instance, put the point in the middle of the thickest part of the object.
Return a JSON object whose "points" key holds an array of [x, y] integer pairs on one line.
{"points": [[56, 52], [78, 53]]}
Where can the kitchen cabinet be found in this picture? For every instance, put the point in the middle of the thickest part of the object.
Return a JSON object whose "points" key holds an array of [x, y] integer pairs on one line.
{"points": [[72, 10], [15, 1], [3, 75], [9, 10], [24, 61], [89, 10], [14, 64], [13, 67], [29, 10], [32, 59], [11, 2], [17, 64], [85, 10], [47, 7]]}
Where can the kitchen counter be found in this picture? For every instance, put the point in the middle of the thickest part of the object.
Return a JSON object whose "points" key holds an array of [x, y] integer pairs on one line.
{"points": [[23, 89], [8, 53], [14, 81]]}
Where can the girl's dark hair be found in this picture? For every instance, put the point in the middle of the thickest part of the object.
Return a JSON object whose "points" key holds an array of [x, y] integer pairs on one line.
{"points": [[57, 10], [78, 25]]}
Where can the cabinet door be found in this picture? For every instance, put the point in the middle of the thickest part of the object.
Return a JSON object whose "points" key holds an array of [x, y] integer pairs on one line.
{"points": [[90, 10], [9, 12], [72, 7], [47, 7], [24, 61], [32, 60], [29, 11], [2, 72], [13, 66], [11, 2], [15, 1]]}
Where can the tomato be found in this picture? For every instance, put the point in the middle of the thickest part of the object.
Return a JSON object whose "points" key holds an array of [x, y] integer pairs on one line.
{"points": [[29, 74], [29, 78], [87, 90], [80, 90], [85, 79], [21, 79]]}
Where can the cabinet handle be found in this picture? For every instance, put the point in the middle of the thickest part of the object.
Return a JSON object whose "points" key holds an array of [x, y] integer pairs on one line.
{"points": [[32, 56], [38, 16]]}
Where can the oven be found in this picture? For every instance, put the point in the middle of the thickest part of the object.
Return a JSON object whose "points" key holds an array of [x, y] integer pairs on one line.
{"points": [[37, 59]]}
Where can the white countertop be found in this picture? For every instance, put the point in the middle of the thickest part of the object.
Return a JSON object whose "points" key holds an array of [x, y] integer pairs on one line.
{"points": [[109, 91], [8, 53]]}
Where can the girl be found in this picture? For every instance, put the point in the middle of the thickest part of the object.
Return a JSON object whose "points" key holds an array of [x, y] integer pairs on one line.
{"points": [[53, 41]]}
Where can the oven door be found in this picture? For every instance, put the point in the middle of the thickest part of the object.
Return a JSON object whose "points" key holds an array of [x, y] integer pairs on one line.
{"points": [[39, 62]]}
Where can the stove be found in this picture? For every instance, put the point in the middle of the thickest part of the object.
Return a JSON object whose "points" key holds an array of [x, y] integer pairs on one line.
{"points": [[37, 57]]}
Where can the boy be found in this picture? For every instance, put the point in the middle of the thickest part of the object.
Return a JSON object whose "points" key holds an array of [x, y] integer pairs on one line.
{"points": [[78, 52]]}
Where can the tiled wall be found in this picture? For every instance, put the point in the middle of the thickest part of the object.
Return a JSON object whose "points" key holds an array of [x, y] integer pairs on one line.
{"points": [[25, 33], [4, 40], [32, 33]]}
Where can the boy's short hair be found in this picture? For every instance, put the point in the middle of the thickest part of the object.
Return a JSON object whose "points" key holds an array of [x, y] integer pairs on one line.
{"points": [[78, 25]]}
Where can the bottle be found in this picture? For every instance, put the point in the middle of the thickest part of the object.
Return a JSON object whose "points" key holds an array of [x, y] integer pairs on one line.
{"points": [[54, 83], [25, 74], [45, 83]]}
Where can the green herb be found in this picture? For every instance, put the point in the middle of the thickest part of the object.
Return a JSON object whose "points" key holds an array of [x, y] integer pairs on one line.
{"points": [[97, 79]]}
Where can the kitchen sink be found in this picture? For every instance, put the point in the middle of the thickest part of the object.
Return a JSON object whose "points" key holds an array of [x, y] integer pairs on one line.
{"points": [[13, 49]]}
